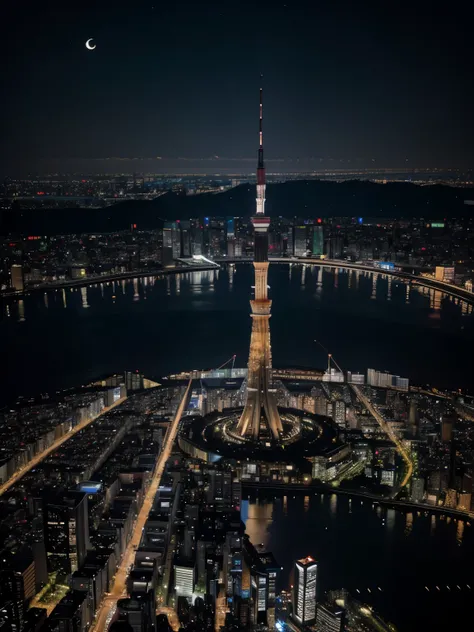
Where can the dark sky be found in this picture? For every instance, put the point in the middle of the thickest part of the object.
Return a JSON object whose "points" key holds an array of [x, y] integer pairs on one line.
{"points": [[346, 84]]}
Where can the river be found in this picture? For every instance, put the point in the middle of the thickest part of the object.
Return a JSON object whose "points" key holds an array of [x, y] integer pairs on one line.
{"points": [[66, 337], [385, 558]]}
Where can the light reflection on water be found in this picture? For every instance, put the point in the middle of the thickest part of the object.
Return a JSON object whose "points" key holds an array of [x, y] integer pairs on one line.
{"points": [[206, 319], [204, 281]]}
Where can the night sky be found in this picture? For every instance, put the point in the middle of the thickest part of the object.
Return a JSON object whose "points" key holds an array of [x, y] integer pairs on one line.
{"points": [[347, 84]]}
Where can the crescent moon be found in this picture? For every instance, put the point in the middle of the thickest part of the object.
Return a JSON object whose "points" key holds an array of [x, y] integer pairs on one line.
{"points": [[88, 44]]}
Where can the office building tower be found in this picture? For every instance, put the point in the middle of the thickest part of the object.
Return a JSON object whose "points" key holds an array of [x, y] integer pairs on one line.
{"points": [[219, 487], [335, 247], [339, 413], [413, 415], [184, 578], [304, 596], [300, 241], [417, 489], [445, 274], [185, 227], [197, 240], [17, 278], [172, 238], [133, 380], [66, 524], [233, 564], [318, 241], [17, 588], [230, 225], [260, 407], [329, 618], [447, 425], [259, 604]]}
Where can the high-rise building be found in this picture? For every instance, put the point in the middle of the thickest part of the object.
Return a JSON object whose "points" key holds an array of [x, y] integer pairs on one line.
{"points": [[417, 489], [329, 618], [197, 240], [447, 425], [304, 598], [17, 588], [133, 380], [185, 227], [17, 278], [300, 241], [259, 593], [184, 578], [219, 487], [445, 274], [66, 524], [261, 401], [335, 247], [230, 224], [172, 238], [318, 240], [339, 413], [413, 415]]}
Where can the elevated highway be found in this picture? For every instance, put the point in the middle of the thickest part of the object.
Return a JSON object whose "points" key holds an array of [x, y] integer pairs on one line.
{"points": [[208, 264], [389, 502], [416, 279]]}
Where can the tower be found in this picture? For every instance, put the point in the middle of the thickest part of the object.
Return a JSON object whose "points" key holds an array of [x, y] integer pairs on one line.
{"points": [[260, 408]]}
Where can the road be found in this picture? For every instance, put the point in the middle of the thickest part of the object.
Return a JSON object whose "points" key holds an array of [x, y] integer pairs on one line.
{"points": [[54, 446], [386, 428], [172, 616], [109, 604], [446, 288], [383, 501], [107, 278]]}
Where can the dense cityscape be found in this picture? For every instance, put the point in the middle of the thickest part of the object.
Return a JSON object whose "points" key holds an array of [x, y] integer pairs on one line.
{"points": [[122, 499], [438, 250], [237, 333]]}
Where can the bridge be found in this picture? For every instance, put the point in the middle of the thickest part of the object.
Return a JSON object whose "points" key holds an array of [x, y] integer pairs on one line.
{"points": [[200, 263], [191, 265], [416, 279], [321, 488]]}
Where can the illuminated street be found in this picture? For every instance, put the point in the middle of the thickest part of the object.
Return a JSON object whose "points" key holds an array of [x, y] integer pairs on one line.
{"points": [[53, 447], [386, 428], [109, 604]]}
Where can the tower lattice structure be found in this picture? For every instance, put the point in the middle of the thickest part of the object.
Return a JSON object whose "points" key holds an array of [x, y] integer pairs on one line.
{"points": [[260, 408]]}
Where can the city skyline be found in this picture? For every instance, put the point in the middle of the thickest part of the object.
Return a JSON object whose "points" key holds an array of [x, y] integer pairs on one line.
{"points": [[148, 481], [347, 86]]}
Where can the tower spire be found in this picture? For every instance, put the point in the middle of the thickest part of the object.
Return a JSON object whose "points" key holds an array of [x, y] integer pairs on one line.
{"points": [[261, 184], [260, 164], [260, 412]]}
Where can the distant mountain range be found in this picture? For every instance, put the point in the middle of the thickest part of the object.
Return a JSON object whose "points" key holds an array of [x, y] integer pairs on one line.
{"points": [[298, 198]]}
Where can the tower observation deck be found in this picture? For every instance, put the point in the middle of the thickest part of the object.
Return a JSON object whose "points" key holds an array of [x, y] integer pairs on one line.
{"points": [[260, 415]]}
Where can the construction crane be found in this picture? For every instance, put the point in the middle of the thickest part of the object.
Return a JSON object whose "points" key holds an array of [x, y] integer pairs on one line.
{"points": [[330, 357], [231, 359], [380, 420]]}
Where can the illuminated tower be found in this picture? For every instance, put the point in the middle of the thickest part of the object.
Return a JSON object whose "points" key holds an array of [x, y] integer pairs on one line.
{"points": [[260, 408], [304, 597]]}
